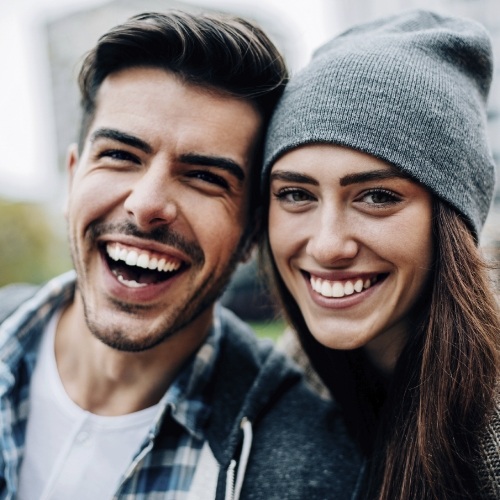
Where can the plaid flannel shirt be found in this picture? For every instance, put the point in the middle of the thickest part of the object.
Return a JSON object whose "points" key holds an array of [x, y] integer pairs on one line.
{"points": [[165, 463]]}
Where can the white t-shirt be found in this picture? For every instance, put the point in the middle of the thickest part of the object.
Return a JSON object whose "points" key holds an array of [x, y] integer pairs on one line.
{"points": [[71, 453]]}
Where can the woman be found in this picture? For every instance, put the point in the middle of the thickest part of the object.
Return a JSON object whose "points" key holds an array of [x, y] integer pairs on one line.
{"points": [[379, 178]]}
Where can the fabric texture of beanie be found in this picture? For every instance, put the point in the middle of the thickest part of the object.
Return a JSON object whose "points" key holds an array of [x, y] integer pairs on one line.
{"points": [[410, 89]]}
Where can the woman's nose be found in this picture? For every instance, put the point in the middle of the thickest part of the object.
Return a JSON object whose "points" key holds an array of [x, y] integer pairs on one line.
{"points": [[332, 237]]}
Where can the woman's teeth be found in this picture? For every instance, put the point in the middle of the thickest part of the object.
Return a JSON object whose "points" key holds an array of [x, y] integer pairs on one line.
{"points": [[338, 289], [142, 259]]}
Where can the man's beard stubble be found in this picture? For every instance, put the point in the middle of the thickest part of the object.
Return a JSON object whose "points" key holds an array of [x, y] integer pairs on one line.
{"points": [[206, 295]]}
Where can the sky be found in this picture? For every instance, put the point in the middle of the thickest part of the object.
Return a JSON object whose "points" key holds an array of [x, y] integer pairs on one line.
{"points": [[27, 139]]}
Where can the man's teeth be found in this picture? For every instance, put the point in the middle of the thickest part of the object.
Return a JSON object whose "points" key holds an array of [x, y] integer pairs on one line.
{"points": [[129, 283], [142, 259], [339, 289]]}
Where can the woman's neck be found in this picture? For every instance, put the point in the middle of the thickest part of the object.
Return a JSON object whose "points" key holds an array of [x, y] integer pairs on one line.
{"points": [[383, 352]]}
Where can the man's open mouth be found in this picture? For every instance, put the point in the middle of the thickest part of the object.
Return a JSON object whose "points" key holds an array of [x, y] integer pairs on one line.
{"points": [[138, 268]]}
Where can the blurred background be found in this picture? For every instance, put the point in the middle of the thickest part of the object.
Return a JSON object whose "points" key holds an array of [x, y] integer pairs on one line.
{"points": [[41, 46]]}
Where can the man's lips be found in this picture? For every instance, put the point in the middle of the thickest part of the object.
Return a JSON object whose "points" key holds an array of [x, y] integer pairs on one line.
{"points": [[137, 268], [142, 258]]}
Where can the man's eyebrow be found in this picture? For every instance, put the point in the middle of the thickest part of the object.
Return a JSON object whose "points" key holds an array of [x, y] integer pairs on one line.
{"points": [[372, 175], [287, 176], [214, 161], [117, 135]]}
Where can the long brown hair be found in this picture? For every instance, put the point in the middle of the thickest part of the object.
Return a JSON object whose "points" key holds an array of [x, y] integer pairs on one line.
{"points": [[420, 430]]}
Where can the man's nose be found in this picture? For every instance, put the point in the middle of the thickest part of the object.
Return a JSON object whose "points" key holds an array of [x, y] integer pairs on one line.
{"points": [[152, 199]]}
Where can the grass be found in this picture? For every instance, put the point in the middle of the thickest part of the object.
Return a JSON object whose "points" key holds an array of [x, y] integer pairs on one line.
{"points": [[271, 329]]}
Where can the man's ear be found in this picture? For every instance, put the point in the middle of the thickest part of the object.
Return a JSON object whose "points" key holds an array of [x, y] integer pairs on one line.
{"points": [[72, 159]]}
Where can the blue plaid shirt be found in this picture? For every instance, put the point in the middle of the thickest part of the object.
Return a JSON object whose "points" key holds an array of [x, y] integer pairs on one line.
{"points": [[164, 465]]}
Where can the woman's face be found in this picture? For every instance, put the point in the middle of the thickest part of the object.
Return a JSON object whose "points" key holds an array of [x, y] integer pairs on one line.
{"points": [[351, 238]]}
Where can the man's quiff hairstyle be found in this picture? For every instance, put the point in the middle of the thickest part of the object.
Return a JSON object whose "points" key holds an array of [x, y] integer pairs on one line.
{"points": [[218, 51]]}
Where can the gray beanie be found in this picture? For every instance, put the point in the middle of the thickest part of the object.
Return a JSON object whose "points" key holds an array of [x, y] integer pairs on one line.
{"points": [[410, 89]]}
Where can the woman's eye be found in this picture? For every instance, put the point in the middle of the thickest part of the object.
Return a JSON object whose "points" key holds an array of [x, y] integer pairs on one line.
{"points": [[292, 196], [380, 197]]}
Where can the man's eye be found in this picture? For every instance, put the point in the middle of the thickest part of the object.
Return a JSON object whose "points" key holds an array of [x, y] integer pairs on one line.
{"points": [[380, 197], [210, 177], [119, 155]]}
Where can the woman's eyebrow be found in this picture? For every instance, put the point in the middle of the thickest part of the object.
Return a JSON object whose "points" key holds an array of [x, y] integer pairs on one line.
{"points": [[285, 175], [372, 175]]}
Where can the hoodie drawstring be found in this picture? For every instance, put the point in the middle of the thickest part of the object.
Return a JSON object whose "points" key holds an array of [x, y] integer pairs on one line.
{"points": [[246, 426]]}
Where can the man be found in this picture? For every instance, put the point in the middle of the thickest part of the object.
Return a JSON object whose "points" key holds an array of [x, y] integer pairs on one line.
{"points": [[124, 379]]}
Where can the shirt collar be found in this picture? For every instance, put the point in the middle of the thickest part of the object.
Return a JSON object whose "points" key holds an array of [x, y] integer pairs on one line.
{"points": [[20, 333], [187, 396]]}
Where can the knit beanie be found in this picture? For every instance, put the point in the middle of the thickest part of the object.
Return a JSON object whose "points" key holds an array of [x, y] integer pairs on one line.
{"points": [[410, 89]]}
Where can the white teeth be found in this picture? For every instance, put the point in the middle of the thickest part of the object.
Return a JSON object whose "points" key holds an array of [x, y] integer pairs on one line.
{"points": [[114, 252], [313, 282], [131, 259], [130, 283], [339, 289], [326, 289], [143, 260]]}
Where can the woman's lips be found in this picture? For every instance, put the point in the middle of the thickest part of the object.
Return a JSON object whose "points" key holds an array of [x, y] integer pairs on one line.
{"points": [[341, 288]]}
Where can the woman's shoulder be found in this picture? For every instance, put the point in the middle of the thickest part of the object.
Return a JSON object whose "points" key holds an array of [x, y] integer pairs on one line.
{"points": [[489, 468]]}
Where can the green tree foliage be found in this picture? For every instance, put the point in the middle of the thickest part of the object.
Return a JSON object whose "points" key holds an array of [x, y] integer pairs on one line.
{"points": [[32, 248]]}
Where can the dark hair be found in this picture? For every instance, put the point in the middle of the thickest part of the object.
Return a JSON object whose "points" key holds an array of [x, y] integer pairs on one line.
{"points": [[218, 51], [421, 432], [221, 52]]}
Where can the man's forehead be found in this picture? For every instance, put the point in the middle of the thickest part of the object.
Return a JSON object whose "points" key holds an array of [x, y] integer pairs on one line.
{"points": [[153, 105]]}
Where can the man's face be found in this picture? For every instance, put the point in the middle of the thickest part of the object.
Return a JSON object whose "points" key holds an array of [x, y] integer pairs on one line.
{"points": [[158, 205]]}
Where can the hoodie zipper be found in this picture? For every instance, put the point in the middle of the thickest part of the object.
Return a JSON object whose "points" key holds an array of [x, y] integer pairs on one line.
{"points": [[230, 480], [233, 487]]}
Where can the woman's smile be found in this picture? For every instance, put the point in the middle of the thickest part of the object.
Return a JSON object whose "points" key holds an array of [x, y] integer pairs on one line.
{"points": [[339, 288], [351, 238]]}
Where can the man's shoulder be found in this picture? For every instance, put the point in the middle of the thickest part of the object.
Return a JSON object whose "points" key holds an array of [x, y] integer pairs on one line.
{"points": [[238, 334], [256, 361], [13, 295]]}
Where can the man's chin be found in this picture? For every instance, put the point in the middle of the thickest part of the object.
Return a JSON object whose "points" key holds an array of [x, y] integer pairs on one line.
{"points": [[115, 338]]}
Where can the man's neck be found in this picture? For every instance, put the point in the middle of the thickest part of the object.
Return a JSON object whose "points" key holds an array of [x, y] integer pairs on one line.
{"points": [[106, 381]]}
